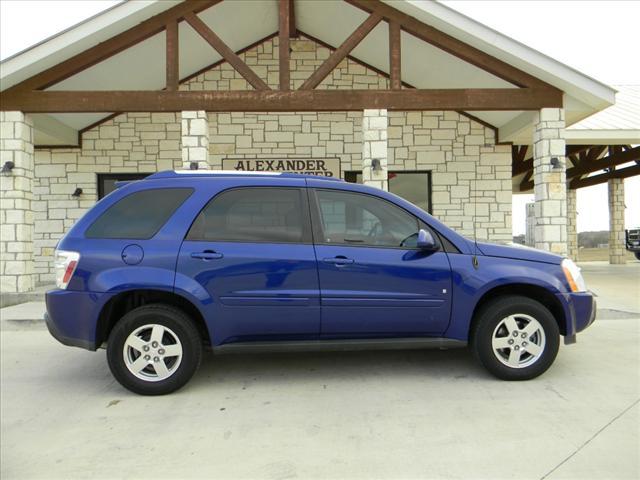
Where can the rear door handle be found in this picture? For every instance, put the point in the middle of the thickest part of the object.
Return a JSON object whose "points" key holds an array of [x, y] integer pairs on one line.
{"points": [[207, 255], [339, 260]]}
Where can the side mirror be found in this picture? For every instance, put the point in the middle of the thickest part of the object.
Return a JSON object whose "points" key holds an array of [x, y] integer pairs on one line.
{"points": [[426, 241]]}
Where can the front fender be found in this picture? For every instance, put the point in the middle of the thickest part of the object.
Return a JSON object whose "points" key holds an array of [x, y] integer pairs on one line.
{"points": [[470, 285]]}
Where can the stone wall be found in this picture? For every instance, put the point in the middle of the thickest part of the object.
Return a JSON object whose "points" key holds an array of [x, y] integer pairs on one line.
{"points": [[133, 142], [467, 167], [16, 203], [617, 251], [471, 176]]}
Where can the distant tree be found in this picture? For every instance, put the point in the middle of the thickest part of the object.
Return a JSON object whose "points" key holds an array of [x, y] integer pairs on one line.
{"points": [[593, 239]]}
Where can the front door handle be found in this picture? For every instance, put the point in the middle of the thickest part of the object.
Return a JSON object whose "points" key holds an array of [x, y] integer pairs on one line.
{"points": [[207, 255], [339, 260]]}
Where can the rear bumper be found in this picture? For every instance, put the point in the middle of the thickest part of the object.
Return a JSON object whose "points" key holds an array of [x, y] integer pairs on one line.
{"points": [[72, 317], [580, 312]]}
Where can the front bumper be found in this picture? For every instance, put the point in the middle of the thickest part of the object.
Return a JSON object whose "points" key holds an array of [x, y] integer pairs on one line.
{"points": [[72, 317], [580, 312]]}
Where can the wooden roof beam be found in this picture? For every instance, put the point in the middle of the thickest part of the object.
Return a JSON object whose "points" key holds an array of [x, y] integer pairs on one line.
{"points": [[452, 45], [172, 52], [111, 47], [609, 161], [395, 56], [284, 26], [341, 52], [223, 49], [602, 178], [275, 100]]}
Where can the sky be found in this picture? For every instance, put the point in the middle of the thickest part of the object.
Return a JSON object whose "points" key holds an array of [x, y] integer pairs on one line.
{"points": [[598, 38]]}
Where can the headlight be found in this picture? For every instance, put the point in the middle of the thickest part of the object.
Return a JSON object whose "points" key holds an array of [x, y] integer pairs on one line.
{"points": [[573, 275]]}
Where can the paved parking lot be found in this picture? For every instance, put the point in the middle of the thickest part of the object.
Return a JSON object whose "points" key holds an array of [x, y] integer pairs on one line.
{"points": [[333, 415]]}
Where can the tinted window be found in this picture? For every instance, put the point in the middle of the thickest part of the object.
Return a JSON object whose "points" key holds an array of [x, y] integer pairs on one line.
{"points": [[275, 215], [139, 215], [358, 219]]}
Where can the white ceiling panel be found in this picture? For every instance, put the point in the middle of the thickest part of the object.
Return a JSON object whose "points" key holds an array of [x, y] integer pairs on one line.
{"points": [[141, 67]]}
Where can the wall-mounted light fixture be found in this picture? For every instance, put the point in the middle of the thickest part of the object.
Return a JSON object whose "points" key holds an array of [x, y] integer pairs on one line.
{"points": [[193, 166], [7, 167], [376, 166], [77, 192], [555, 163]]}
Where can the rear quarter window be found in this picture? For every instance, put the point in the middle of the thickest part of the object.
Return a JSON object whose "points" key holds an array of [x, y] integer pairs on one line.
{"points": [[140, 215]]}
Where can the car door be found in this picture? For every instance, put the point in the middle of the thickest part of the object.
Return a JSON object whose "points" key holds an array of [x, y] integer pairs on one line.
{"points": [[373, 279], [251, 250]]}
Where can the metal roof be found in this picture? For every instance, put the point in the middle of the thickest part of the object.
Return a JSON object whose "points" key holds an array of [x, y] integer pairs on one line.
{"points": [[615, 125], [623, 115]]}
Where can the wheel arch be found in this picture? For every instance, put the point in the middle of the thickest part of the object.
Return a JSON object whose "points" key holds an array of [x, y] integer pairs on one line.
{"points": [[126, 301], [531, 291]]}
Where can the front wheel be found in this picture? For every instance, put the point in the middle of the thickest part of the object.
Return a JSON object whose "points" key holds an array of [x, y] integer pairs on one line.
{"points": [[515, 338], [154, 350], [637, 254]]}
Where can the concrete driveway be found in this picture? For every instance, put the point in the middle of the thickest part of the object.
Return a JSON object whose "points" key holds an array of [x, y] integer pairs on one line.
{"points": [[333, 415]]}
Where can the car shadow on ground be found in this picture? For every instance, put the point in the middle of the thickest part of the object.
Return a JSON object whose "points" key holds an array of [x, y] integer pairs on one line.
{"points": [[343, 366]]}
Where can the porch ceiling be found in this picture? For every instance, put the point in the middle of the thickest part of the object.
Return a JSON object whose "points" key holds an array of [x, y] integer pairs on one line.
{"points": [[241, 23]]}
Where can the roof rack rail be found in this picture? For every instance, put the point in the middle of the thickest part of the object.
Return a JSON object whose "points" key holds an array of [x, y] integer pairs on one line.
{"points": [[233, 173]]}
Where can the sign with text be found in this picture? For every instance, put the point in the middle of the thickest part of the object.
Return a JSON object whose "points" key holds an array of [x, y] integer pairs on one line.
{"points": [[326, 167]]}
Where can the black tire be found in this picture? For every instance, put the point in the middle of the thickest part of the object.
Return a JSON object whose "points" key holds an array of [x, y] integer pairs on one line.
{"points": [[179, 326], [488, 320], [637, 254]]}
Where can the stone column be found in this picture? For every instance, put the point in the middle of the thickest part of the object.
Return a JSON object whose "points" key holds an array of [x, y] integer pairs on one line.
{"points": [[195, 139], [550, 187], [16, 196], [374, 148], [572, 224], [617, 252]]}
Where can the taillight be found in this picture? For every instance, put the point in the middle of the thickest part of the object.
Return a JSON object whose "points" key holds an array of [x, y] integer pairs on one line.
{"points": [[65, 265]]}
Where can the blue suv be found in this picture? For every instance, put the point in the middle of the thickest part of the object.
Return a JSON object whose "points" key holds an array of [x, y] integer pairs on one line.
{"points": [[181, 261]]}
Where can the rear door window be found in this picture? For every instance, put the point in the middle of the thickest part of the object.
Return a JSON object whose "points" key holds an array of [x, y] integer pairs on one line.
{"points": [[259, 214], [140, 215]]}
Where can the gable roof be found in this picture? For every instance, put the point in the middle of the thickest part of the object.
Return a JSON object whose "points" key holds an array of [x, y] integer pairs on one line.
{"points": [[243, 22]]}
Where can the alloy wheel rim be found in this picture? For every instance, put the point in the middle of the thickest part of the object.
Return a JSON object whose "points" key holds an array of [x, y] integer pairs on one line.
{"points": [[152, 352], [518, 341]]}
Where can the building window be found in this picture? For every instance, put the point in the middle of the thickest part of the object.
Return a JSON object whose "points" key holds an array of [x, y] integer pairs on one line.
{"points": [[107, 181], [414, 187]]}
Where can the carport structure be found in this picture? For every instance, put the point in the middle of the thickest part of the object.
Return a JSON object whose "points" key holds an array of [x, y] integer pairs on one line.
{"points": [[385, 89], [603, 148]]}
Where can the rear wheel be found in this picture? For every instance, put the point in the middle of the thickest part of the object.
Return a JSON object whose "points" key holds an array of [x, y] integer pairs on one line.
{"points": [[637, 254], [515, 338], [154, 350]]}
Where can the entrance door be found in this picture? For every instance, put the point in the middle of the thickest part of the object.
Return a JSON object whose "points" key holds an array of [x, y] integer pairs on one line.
{"points": [[251, 249], [373, 279]]}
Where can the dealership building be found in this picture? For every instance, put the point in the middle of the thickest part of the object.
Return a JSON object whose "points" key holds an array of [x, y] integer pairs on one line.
{"points": [[409, 97]]}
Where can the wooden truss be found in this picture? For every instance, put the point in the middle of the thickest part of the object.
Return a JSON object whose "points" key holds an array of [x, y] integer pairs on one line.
{"points": [[584, 160], [529, 93]]}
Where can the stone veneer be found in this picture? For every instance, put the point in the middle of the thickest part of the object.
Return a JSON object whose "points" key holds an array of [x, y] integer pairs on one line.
{"points": [[467, 167], [617, 251], [549, 181], [375, 148], [195, 139], [16, 203]]}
